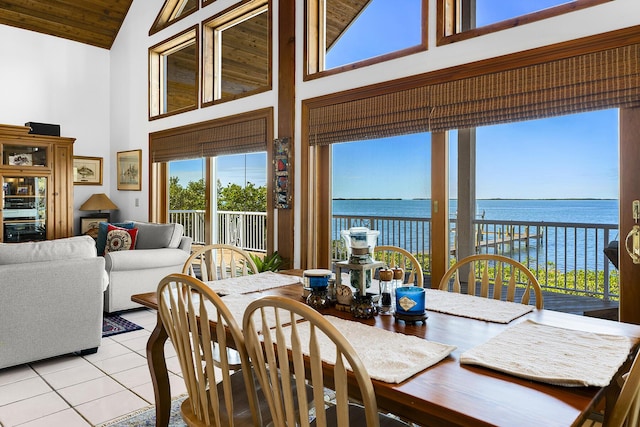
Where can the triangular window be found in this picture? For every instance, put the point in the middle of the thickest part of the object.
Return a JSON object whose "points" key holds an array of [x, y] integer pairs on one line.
{"points": [[172, 11]]}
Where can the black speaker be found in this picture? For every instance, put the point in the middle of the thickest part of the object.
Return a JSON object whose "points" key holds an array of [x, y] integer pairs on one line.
{"points": [[43, 128]]}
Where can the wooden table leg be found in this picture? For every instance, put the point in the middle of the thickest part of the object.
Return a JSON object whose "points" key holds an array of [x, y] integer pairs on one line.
{"points": [[159, 374]]}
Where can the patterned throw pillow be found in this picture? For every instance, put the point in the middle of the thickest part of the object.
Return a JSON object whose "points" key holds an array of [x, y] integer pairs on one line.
{"points": [[101, 241], [120, 239]]}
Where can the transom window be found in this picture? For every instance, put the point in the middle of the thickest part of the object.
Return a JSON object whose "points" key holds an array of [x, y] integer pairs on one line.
{"points": [[172, 11], [341, 32], [173, 74], [469, 18], [237, 53]]}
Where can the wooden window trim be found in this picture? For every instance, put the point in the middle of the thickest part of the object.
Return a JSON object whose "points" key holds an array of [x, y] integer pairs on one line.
{"points": [[209, 28], [447, 11], [313, 35], [163, 20], [155, 54]]}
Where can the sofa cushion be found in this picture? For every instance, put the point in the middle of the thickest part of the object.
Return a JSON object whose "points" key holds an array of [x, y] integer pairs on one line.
{"points": [[101, 241], [120, 239], [156, 236], [78, 247]]}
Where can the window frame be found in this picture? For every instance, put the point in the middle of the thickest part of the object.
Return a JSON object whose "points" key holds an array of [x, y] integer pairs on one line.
{"points": [[314, 37], [211, 41], [450, 20], [170, 13], [157, 68]]}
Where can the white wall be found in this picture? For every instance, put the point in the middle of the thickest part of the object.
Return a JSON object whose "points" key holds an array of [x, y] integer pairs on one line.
{"points": [[52, 80]]}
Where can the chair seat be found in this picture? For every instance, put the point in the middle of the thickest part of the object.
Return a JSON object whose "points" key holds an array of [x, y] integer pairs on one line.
{"points": [[242, 413], [357, 418]]}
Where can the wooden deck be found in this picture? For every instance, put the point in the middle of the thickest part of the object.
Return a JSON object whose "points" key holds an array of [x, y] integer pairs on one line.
{"points": [[575, 304]]}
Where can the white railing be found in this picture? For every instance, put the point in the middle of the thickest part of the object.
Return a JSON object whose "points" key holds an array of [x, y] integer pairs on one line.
{"points": [[247, 230], [564, 256]]}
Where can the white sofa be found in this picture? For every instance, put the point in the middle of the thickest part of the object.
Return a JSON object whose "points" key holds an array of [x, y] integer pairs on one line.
{"points": [[52, 295], [160, 249]]}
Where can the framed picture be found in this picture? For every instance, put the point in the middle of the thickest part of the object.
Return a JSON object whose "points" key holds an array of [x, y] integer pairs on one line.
{"points": [[87, 170], [22, 190], [88, 223], [129, 170], [21, 160]]}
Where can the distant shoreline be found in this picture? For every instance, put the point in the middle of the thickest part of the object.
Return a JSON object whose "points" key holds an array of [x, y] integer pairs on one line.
{"points": [[496, 198]]}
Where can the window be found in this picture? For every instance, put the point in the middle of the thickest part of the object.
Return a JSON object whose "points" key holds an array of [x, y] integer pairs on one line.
{"points": [[237, 53], [343, 32], [469, 18], [173, 75], [172, 11]]}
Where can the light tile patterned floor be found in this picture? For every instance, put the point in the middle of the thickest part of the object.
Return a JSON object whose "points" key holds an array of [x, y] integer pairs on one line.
{"points": [[79, 391]]}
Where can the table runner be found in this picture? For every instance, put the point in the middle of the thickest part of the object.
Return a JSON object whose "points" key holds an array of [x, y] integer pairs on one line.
{"points": [[252, 283], [388, 356], [552, 355], [237, 304], [488, 309]]}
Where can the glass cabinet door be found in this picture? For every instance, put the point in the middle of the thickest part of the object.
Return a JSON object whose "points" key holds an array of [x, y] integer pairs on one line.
{"points": [[24, 208], [24, 155]]}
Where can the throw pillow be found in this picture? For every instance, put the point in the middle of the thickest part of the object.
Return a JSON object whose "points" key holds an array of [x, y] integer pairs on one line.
{"points": [[101, 241], [120, 239]]}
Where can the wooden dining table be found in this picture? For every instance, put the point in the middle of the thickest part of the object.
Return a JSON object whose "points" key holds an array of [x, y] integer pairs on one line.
{"points": [[450, 393]]}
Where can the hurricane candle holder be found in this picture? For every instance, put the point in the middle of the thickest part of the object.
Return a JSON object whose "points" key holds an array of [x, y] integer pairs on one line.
{"points": [[410, 304]]}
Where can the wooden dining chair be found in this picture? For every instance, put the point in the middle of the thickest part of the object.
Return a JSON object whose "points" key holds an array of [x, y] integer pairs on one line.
{"points": [[394, 256], [500, 278], [283, 353], [219, 261], [626, 411], [216, 397]]}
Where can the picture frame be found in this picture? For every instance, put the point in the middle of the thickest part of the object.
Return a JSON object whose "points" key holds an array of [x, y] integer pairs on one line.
{"points": [[22, 190], [87, 170], [129, 164], [23, 159], [88, 223]]}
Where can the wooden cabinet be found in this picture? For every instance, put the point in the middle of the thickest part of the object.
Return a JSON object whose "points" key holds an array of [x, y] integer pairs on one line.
{"points": [[36, 173]]}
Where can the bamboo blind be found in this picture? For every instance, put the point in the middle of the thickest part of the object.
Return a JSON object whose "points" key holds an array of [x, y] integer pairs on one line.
{"points": [[218, 137], [605, 79]]}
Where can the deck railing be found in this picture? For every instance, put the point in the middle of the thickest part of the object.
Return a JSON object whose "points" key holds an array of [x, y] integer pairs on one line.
{"points": [[247, 230], [564, 256]]}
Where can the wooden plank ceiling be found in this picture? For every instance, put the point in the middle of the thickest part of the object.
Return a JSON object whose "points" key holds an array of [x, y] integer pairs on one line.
{"points": [[93, 22], [96, 22]]}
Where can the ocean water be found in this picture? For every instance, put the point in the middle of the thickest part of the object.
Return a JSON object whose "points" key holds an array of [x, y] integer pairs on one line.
{"points": [[570, 248], [573, 211]]}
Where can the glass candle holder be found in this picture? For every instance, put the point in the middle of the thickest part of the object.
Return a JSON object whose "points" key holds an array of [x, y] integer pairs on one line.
{"points": [[410, 300]]}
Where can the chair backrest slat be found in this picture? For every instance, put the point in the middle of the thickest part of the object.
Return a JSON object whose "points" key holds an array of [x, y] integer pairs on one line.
{"points": [[508, 273], [291, 344], [185, 306], [219, 261]]}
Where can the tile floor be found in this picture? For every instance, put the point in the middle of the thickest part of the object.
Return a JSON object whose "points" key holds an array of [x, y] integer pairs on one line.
{"points": [[79, 391]]}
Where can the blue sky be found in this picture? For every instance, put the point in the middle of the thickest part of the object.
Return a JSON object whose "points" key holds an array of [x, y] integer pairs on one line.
{"points": [[564, 157]]}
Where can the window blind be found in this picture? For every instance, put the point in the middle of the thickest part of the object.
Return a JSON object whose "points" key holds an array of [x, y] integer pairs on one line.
{"points": [[245, 133], [604, 79]]}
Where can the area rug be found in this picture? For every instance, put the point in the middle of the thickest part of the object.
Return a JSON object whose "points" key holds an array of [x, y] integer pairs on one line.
{"points": [[146, 417], [112, 324]]}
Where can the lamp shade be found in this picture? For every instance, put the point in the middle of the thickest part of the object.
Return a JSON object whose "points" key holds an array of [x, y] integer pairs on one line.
{"points": [[98, 202]]}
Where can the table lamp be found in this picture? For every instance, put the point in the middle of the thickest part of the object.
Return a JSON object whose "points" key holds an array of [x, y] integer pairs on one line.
{"points": [[99, 202]]}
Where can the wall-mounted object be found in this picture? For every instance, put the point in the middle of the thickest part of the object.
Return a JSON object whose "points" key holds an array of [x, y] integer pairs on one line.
{"points": [[129, 170], [281, 166], [87, 170]]}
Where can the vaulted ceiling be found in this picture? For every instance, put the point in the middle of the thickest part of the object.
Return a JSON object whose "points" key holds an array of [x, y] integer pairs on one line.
{"points": [[93, 22], [96, 22]]}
